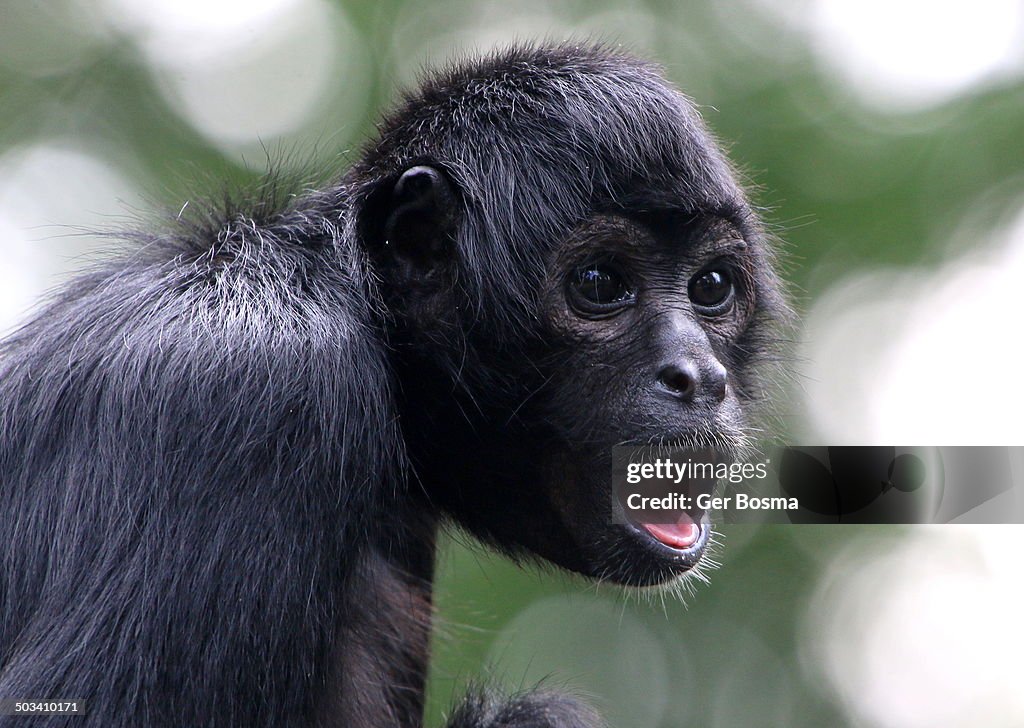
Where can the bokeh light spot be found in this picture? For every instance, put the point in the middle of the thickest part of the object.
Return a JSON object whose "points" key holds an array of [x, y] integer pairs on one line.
{"points": [[923, 631], [912, 53], [54, 199], [246, 74], [882, 348]]}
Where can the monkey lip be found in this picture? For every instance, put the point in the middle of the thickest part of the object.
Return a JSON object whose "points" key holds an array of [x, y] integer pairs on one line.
{"points": [[682, 534]]}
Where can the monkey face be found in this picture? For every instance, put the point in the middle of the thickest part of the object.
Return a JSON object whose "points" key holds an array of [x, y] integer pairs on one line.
{"points": [[641, 318]]}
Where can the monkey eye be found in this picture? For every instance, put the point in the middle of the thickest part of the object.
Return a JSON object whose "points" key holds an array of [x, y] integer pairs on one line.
{"points": [[712, 291], [598, 288]]}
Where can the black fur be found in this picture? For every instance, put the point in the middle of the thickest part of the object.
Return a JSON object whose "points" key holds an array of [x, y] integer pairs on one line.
{"points": [[223, 457], [538, 708]]}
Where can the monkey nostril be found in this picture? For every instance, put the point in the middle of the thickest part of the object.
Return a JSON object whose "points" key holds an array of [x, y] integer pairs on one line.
{"points": [[679, 381]]}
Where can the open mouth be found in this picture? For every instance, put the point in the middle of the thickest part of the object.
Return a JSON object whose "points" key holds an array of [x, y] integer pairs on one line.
{"points": [[661, 494], [681, 535], [683, 541]]}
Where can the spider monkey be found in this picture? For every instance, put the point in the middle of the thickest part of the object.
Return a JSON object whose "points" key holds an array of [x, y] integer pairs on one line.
{"points": [[225, 455]]}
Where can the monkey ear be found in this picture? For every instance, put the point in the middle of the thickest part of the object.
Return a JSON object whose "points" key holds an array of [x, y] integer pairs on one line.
{"points": [[420, 225]]}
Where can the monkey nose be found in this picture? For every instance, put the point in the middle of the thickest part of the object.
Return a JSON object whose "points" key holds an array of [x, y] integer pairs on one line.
{"points": [[683, 380]]}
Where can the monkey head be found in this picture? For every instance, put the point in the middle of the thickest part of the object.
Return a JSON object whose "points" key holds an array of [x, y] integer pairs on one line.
{"points": [[569, 264]]}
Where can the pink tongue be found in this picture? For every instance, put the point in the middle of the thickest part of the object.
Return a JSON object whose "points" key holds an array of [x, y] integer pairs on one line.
{"points": [[679, 535]]}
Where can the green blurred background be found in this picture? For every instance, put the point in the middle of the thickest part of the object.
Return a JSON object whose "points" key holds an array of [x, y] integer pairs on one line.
{"points": [[885, 142]]}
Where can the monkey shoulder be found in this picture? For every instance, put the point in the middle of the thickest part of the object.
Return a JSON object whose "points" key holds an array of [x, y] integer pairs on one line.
{"points": [[258, 344]]}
